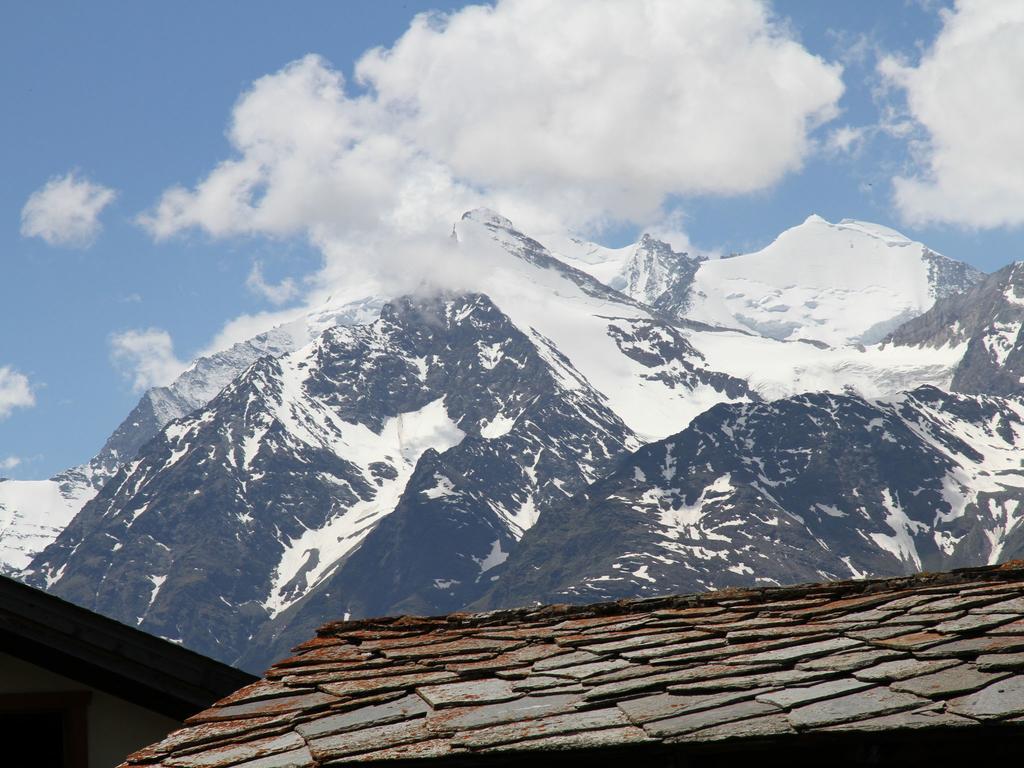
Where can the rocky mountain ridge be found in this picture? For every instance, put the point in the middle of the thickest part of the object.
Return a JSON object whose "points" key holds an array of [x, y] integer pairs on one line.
{"points": [[552, 437]]}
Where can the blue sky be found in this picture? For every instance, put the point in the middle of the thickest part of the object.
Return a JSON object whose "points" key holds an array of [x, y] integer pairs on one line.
{"points": [[137, 98]]}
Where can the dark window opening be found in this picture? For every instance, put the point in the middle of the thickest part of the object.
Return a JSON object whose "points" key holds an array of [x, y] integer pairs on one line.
{"points": [[44, 730]]}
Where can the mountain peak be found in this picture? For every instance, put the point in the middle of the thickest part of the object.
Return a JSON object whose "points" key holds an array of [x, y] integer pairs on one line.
{"points": [[487, 216]]}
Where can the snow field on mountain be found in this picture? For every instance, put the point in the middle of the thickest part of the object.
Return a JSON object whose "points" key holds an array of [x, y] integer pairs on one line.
{"points": [[777, 369], [837, 283], [32, 513], [575, 322], [400, 443]]}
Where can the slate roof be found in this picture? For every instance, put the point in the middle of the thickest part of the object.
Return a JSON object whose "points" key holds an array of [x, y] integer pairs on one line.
{"points": [[934, 651], [45, 630]]}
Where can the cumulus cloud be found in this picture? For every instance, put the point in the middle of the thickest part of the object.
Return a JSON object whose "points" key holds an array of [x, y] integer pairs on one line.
{"points": [[146, 357], [15, 391], [65, 211], [965, 98], [275, 293], [561, 115]]}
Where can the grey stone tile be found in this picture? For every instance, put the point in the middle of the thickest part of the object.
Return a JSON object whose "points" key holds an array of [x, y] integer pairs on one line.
{"points": [[903, 603], [565, 660], [902, 669], [1014, 605], [998, 700], [955, 603], [750, 728], [974, 622], [278, 705], [680, 724], [420, 750], [546, 726], [674, 649], [782, 677], [299, 758], [611, 737], [887, 632], [997, 661], [796, 652], [924, 619], [629, 687], [963, 678], [911, 641], [974, 646], [1013, 628], [664, 705], [230, 754], [924, 718], [849, 661], [541, 682], [392, 712], [597, 645], [455, 719], [591, 669], [468, 693], [873, 702], [385, 683], [792, 697], [343, 744]]}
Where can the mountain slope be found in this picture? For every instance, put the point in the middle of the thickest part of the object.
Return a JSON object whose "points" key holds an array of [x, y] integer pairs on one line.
{"points": [[844, 283], [33, 513], [986, 322], [807, 488], [649, 271], [395, 462]]}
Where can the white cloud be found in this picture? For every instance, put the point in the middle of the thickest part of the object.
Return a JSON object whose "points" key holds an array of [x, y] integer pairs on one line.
{"points": [[617, 104], [146, 356], [846, 138], [10, 462], [15, 391], [279, 293], [965, 95], [560, 115], [65, 211]]}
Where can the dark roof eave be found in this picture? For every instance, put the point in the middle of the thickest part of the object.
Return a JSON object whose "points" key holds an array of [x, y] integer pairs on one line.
{"points": [[46, 630]]}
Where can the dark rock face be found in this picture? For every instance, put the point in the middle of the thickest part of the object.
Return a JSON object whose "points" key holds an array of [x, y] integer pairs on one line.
{"points": [[388, 467], [988, 319], [803, 489], [949, 277], [661, 277], [671, 359]]}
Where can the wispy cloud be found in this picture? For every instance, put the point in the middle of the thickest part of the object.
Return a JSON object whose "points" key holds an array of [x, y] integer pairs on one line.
{"points": [[275, 293], [146, 357], [65, 211], [9, 463]]}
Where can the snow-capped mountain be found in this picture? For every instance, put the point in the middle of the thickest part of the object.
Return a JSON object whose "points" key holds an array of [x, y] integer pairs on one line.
{"points": [[986, 323], [846, 283], [649, 271], [839, 284], [317, 472], [565, 426], [807, 488], [34, 512]]}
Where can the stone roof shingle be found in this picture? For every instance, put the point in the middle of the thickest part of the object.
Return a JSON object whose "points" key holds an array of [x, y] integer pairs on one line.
{"points": [[940, 651]]}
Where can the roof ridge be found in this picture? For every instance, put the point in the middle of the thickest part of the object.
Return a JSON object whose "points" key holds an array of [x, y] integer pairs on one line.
{"points": [[1007, 571]]}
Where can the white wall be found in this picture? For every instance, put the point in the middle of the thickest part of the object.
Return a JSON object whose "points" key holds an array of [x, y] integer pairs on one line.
{"points": [[116, 727]]}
